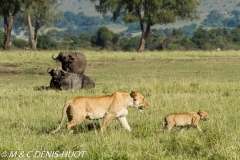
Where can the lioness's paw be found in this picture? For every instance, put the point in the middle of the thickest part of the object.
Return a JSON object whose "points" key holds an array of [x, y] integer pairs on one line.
{"points": [[70, 132]]}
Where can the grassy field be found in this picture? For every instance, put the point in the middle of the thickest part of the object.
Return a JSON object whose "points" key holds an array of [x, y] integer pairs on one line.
{"points": [[170, 81]]}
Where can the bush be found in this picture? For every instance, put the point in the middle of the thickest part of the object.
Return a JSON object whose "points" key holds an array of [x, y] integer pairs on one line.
{"points": [[20, 43], [104, 38], [46, 42]]}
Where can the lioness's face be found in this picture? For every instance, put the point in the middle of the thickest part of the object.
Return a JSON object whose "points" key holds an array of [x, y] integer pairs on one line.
{"points": [[138, 100], [204, 115]]}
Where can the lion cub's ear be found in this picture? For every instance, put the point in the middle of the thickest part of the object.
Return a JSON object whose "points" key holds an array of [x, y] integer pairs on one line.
{"points": [[133, 94]]}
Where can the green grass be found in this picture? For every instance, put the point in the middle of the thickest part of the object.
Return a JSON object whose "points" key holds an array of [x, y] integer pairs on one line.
{"points": [[170, 81]]}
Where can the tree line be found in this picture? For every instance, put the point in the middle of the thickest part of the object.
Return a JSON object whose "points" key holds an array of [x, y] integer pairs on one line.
{"points": [[34, 15], [40, 13], [105, 39]]}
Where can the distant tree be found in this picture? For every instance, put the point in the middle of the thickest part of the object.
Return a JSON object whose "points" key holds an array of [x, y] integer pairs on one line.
{"points": [[67, 36], [187, 44], [188, 30], [177, 33], [210, 39], [236, 13], [174, 39], [201, 38], [80, 42], [1, 40], [39, 13], [80, 23], [132, 28], [153, 42], [84, 41], [161, 31], [55, 34], [104, 38], [214, 19], [123, 41], [45, 42], [148, 12], [235, 34], [232, 22], [20, 43], [9, 9], [168, 32], [131, 44]]}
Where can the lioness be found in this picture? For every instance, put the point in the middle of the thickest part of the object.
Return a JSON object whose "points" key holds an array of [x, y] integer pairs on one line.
{"points": [[107, 107], [184, 119]]}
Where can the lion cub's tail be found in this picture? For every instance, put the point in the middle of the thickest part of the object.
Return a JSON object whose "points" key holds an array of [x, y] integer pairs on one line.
{"points": [[63, 117]]}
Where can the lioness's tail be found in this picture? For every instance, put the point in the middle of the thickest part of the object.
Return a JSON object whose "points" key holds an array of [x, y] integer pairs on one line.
{"points": [[63, 117]]}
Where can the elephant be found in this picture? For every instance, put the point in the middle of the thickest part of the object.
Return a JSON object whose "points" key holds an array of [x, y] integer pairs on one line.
{"points": [[72, 62]]}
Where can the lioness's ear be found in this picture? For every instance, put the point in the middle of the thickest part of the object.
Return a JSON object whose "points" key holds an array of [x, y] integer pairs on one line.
{"points": [[200, 112], [133, 94]]}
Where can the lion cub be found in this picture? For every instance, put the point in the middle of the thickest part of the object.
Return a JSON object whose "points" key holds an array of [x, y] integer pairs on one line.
{"points": [[184, 119]]}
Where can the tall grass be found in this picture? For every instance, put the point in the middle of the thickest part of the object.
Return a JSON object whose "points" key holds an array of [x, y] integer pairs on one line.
{"points": [[170, 81]]}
